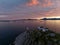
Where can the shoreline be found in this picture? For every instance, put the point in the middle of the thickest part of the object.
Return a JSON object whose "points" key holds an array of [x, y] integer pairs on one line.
{"points": [[25, 35]]}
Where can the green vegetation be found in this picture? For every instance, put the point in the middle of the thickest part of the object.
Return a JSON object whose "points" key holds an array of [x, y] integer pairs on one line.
{"points": [[39, 37]]}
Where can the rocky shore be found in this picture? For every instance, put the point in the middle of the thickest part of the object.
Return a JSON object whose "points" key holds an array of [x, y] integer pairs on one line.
{"points": [[41, 36]]}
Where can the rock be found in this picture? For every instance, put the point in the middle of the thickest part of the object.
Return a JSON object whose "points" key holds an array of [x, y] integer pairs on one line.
{"points": [[35, 37], [20, 39], [38, 28], [52, 34]]}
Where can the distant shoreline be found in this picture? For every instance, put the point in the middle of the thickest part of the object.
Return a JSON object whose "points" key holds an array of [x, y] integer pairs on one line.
{"points": [[25, 20], [15, 20], [50, 19]]}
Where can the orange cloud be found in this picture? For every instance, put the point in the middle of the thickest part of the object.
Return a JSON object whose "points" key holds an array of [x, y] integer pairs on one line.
{"points": [[33, 2], [47, 3], [52, 13]]}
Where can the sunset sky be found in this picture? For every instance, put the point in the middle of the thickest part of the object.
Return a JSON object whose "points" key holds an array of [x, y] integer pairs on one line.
{"points": [[21, 9]]}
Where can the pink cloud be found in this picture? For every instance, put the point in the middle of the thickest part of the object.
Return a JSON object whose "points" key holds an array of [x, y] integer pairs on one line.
{"points": [[45, 3], [33, 2]]}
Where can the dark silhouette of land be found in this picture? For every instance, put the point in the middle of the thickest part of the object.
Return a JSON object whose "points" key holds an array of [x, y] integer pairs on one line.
{"points": [[50, 19], [15, 20]]}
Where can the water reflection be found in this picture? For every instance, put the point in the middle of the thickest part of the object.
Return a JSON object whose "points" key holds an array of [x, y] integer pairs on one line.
{"points": [[53, 25], [9, 30]]}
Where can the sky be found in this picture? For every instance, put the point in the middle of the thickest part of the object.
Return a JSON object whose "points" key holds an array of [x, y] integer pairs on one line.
{"points": [[24, 9]]}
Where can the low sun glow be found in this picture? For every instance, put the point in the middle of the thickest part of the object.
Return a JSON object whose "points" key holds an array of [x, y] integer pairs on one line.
{"points": [[58, 17], [53, 17], [50, 17]]}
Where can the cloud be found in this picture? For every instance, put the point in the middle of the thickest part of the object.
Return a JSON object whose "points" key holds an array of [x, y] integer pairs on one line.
{"points": [[47, 3], [33, 2], [3, 16], [29, 8], [41, 3]]}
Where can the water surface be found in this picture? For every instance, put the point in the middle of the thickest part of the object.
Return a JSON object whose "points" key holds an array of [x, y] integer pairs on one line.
{"points": [[9, 30]]}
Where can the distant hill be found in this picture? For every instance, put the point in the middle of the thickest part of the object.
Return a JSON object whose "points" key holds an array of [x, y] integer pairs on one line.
{"points": [[50, 19], [16, 20]]}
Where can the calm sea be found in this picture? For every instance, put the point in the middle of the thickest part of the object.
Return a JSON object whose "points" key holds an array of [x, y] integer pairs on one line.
{"points": [[9, 30]]}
